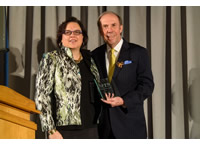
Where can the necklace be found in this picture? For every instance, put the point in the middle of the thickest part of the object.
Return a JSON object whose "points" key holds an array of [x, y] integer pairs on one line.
{"points": [[79, 59]]}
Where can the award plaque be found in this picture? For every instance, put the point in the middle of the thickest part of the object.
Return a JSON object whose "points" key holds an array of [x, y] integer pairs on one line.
{"points": [[104, 87]]}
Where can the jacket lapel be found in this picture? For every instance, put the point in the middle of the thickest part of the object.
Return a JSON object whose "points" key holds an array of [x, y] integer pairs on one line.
{"points": [[103, 62], [124, 54]]}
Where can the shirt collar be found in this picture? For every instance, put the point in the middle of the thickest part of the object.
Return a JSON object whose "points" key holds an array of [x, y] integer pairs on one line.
{"points": [[117, 47]]}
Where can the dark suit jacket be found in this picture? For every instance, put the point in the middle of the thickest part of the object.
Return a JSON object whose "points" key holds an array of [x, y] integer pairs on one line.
{"points": [[134, 82]]}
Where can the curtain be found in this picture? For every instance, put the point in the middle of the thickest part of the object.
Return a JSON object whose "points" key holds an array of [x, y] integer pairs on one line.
{"points": [[171, 35], [3, 50]]}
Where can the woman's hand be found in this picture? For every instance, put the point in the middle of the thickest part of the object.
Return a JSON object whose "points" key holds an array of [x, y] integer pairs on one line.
{"points": [[55, 135]]}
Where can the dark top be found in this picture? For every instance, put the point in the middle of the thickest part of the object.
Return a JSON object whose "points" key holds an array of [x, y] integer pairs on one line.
{"points": [[87, 106]]}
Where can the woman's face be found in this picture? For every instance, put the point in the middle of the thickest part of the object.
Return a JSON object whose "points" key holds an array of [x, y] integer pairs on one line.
{"points": [[72, 37]]}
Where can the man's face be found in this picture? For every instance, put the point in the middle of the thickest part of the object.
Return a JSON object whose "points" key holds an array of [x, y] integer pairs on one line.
{"points": [[111, 29]]}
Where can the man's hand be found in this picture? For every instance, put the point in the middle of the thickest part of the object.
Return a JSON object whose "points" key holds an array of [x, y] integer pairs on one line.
{"points": [[55, 135], [113, 101]]}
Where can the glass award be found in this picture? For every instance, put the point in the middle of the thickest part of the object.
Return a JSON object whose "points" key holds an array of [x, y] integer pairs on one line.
{"points": [[104, 87]]}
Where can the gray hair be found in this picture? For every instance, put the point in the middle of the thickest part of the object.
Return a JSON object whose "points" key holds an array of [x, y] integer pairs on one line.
{"points": [[107, 12]]}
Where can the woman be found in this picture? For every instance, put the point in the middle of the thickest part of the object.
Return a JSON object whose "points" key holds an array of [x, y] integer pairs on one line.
{"points": [[69, 74]]}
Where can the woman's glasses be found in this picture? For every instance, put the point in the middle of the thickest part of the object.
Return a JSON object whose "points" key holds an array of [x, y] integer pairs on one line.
{"points": [[75, 32]]}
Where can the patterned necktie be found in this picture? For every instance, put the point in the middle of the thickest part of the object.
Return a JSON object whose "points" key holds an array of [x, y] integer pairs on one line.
{"points": [[111, 64]]}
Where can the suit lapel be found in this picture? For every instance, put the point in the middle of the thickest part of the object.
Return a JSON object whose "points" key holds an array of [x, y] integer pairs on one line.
{"points": [[124, 55], [103, 61]]}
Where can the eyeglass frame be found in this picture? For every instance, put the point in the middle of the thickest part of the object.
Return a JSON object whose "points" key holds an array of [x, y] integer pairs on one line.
{"points": [[74, 32]]}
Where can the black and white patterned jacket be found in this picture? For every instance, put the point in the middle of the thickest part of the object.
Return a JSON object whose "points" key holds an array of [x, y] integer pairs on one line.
{"points": [[58, 72]]}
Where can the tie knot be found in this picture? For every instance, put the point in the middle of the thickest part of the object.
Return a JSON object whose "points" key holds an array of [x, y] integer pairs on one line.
{"points": [[112, 50]]}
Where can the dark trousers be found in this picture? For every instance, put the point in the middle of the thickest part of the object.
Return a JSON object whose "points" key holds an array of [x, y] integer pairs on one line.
{"points": [[104, 127], [90, 133]]}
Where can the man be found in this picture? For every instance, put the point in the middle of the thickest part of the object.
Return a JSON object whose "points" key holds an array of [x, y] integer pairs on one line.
{"points": [[123, 114]]}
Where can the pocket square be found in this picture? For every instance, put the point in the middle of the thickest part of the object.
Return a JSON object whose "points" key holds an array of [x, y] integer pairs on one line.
{"points": [[127, 62]]}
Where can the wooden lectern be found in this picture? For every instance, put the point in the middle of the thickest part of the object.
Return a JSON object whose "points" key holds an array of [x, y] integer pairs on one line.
{"points": [[15, 110]]}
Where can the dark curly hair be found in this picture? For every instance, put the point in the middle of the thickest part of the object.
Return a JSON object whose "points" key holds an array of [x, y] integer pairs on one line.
{"points": [[62, 27]]}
